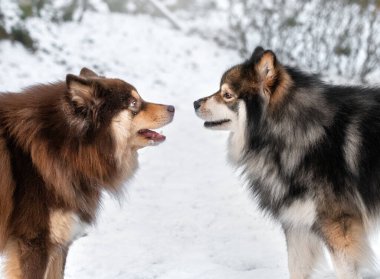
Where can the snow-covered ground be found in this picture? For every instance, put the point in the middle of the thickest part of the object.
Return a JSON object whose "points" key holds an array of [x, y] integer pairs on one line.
{"points": [[185, 215]]}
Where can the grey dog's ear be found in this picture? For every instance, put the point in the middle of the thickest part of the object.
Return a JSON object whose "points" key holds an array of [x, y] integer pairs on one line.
{"points": [[87, 73], [265, 64], [266, 67], [256, 55]]}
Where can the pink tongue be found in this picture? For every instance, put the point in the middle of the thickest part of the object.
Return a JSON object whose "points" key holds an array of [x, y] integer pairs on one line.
{"points": [[152, 135]]}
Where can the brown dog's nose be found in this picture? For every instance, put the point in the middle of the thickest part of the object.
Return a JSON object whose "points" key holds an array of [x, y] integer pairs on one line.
{"points": [[197, 104], [171, 109]]}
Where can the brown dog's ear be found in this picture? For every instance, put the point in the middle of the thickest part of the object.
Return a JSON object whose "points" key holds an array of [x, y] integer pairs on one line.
{"points": [[87, 73], [79, 89]]}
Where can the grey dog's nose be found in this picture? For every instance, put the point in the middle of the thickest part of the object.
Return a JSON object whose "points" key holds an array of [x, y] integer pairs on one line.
{"points": [[197, 104], [171, 109]]}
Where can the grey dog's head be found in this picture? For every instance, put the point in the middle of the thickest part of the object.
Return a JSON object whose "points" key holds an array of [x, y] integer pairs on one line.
{"points": [[261, 76]]}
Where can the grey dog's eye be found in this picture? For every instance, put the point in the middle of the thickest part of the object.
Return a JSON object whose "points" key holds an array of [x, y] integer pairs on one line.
{"points": [[227, 95], [132, 104]]}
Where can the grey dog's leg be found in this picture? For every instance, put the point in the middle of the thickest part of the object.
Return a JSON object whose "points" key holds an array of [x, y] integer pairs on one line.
{"points": [[347, 241], [304, 251]]}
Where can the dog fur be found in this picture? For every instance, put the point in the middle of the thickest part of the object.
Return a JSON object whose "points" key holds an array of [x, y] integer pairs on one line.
{"points": [[310, 153], [61, 145]]}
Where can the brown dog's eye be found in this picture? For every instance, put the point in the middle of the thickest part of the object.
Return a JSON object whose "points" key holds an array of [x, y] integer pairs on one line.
{"points": [[133, 107], [133, 104], [227, 95]]}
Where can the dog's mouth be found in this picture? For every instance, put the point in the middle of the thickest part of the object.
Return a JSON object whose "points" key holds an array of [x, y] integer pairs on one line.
{"points": [[151, 135], [211, 124]]}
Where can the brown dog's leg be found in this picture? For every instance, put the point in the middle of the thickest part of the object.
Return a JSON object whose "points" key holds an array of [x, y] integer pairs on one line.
{"points": [[346, 239], [34, 258], [57, 262], [13, 265], [26, 259]]}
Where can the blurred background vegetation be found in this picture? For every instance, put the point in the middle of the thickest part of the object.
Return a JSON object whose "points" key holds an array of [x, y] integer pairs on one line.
{"points": [[340, 37]]}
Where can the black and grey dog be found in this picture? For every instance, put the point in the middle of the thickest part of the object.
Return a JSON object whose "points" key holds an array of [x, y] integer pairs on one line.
{"points": [[311, 154]]}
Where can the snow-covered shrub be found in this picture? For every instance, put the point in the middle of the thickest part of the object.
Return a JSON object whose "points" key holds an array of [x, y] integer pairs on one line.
{"points": [[59, 10], [12, 26], [332, 37], [146, 6], [15, 16]]}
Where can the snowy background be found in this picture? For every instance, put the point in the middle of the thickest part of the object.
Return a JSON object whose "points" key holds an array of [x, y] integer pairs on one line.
{"points": [[186, 214]]}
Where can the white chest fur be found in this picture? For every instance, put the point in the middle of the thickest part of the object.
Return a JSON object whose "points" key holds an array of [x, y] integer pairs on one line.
{"points": [[237, 139], [301, 213], [65, 227]]}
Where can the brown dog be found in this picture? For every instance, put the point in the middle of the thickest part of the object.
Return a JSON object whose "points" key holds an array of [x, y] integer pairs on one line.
{"points": [[60, 145]]}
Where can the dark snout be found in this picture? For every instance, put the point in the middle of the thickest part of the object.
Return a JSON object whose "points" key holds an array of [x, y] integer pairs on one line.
{"points": [[198, 103], [171, 109]]}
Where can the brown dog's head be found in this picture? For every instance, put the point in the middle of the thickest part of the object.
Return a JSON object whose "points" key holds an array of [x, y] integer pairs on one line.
{"points": [[261, 78], [103, 105]]}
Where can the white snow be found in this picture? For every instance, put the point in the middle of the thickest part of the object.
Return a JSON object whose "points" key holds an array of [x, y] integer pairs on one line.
{"points": [[185, 215]]}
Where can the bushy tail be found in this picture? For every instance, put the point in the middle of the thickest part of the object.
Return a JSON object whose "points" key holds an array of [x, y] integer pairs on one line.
{"points": [[7, 188]]}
